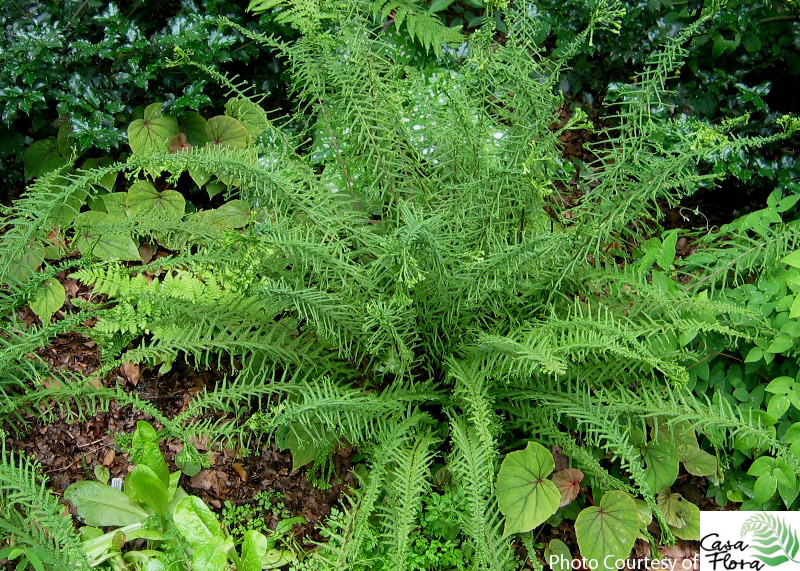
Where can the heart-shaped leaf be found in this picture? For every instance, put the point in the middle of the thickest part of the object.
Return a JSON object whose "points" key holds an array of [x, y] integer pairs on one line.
{"points": [[232, 214], [222, 130], [178, 143], [524, 494], [607, 532], [194, 127], [251, 115], [92, 237], [568, 483], [661, 465], [101, 505], [150, 134], [42, 157], [674, 507], [697, 462], [48, 299], [558, 556], [107, 181], [144, 200]]}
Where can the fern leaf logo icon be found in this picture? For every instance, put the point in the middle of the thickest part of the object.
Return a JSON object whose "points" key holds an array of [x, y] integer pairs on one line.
{"points": [[773, 539]]}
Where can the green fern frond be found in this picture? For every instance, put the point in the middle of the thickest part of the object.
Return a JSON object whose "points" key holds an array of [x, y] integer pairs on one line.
{"points": [[32, 516]]}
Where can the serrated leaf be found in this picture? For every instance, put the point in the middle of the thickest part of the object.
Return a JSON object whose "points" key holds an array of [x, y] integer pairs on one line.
{"points": [[101, 505], [568, 483], [91, 238], [524, 495], [222, 130], [48, 299], [42, 157], [144, 200], [697, 462], [150, 134], [608, 529]]}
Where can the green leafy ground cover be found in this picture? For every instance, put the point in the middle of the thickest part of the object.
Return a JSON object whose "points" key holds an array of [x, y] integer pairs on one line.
{"points": [[396, 256]]}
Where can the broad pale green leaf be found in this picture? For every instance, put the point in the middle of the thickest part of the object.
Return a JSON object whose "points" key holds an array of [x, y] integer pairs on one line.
{"points": [[101, 505], [194, 127], [608, 529], [675, 508], [557, 556], [48, 299], [146, 487], [196, 522], [249, 114], [697, 461], [149, 454], [661, 465], [91, 238], [792, 259], [211, 555], [144, 434], [780, 344], [690, 530], [188, 460], [222, 130], [115, 204], [232, 214], [107, 181], [150, 134], [42, 157], [199, 176], [303, 450], [144, 200], [524, 495], [254, 547], [24, 267]]}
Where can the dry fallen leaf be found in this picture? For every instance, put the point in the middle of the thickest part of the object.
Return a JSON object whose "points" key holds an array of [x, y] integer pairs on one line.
{"points": [[131, 372]]}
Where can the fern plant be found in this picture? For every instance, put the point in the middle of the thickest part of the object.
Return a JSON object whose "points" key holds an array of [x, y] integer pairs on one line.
{"points": [[400, 287]]}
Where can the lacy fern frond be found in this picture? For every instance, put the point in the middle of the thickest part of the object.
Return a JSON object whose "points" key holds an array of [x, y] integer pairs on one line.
{"points": [[32, 516]]}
